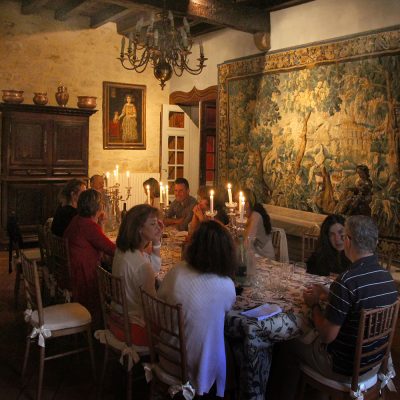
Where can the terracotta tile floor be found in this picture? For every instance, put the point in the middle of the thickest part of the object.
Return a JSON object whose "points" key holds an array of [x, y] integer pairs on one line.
{"points": [[70, 378]]}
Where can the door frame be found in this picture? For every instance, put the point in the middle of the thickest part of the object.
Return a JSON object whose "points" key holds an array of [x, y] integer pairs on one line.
{"points": [[196, 97]]}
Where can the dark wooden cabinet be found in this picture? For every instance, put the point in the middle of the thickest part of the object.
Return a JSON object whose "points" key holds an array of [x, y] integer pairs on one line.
{"points": [[41, 148]]}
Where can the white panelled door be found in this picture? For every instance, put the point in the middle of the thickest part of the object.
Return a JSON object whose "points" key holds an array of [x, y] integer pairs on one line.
{"points": [[180, 147]]}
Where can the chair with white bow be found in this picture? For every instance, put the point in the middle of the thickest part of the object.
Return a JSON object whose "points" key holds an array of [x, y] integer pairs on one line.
{"points": [[372, 372], [115, 316], [167, 371], [51, 322], [60, 267]]}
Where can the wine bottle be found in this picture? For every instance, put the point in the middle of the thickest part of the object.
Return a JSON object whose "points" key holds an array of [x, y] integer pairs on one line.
{"points": [[123, 212]]}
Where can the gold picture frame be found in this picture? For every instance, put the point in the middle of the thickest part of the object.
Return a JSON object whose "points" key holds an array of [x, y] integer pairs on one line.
{"points": [[124, 116]]}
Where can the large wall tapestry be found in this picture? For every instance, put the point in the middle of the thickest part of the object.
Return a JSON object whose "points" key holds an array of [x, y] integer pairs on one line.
{"points": [[295, 125]]}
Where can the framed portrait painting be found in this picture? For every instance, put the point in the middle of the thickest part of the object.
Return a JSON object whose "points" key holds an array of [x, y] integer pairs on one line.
{"points": [[124, 116]]}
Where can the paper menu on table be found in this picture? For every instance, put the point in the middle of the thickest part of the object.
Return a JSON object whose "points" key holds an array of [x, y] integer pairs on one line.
{"points": [[262, 312]]}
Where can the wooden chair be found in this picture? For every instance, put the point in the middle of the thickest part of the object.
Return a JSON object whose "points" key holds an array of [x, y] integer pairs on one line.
{"points": [[168, 368], [276, 243], [375, 324], [308, 246], [115, 315], [14, 253], [51, 322], [60, 267]]}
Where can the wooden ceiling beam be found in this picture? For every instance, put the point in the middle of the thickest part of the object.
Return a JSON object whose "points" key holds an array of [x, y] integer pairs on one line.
{"points": [[73, 8], [112, 14], [215, 12], [32, 6]]}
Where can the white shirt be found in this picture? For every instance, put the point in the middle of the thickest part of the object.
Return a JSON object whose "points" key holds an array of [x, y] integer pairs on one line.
{"points": [[137, 271], [205, 299], [262, 243]]}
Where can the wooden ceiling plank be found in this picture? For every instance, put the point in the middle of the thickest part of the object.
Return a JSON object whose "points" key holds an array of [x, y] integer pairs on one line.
{"points": [[32, 6], [111, 14], [72, 8], [218, 12]]}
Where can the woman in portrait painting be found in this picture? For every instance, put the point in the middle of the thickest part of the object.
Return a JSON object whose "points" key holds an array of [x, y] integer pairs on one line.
{"points": [[129, 121]]}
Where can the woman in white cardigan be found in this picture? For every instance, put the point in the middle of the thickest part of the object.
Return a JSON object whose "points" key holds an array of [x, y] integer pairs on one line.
{"points": [[136, 264], [202, 284], [258, 229]]}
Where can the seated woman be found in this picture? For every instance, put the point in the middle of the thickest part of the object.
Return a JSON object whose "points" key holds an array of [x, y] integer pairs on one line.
{"points": [[259, 227], [140, 227], [87, 243], [329, 256], [154, 187], [202, 284], [69, 196]]}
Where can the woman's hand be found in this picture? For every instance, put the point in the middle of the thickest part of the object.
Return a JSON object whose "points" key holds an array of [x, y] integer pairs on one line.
{"points": [[197, 211]]}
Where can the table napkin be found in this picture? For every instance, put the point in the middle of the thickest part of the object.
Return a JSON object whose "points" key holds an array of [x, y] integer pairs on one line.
{"points": [[262, 312]]}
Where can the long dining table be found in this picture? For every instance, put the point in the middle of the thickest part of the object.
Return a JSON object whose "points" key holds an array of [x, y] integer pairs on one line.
{"points": [[251, 340]]}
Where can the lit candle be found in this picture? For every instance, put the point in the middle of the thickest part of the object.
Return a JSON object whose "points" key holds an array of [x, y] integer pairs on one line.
{"points": [[161, 193], [148, 194], [107, 178], [166, 195], [242, 209], [240, 201], [212, 201], [230, 193]]}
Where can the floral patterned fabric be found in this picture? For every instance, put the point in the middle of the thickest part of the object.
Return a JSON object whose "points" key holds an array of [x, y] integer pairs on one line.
{"points": [[252, 341]]}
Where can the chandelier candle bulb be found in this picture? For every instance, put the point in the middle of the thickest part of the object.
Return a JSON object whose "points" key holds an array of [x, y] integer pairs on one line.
{"points": [[128, 176], [122, 45], [201, 49], [230, 193], [212, 201], [156, 38], [148, 194]]}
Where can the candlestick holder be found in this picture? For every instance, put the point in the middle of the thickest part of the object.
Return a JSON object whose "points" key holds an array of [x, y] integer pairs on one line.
{"points": [[231, 214], [211, 214], [240, 225], [112, 198]]}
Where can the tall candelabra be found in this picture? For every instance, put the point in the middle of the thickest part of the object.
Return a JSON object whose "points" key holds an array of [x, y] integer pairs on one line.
{"points": [[112, 198]]}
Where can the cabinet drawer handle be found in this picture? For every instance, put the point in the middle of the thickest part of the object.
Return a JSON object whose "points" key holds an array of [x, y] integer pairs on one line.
{"points": [[45, 142]]}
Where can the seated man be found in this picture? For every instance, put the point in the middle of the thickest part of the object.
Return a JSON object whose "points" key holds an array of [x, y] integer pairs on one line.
{"points": [[364, 285], [180, 211], [97, 183]]}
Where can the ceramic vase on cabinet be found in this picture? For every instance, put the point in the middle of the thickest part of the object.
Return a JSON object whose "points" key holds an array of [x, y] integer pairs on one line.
{"points": [[62, 96], [40, 98]]}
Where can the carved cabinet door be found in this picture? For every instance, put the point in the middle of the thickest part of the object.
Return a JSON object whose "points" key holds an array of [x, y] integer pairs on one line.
{"points": [[70, 147], [29, 201], [28, 136]]}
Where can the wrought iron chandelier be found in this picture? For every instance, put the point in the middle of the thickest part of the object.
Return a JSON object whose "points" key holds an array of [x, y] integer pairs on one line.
{"points": [[164, 46]]}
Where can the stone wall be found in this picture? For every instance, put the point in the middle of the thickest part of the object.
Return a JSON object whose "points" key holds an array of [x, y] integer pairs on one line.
{"points": [[38, 52]]}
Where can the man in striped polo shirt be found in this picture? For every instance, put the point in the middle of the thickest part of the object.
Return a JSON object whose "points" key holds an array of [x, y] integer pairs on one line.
{"points": [[364, 285]]}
